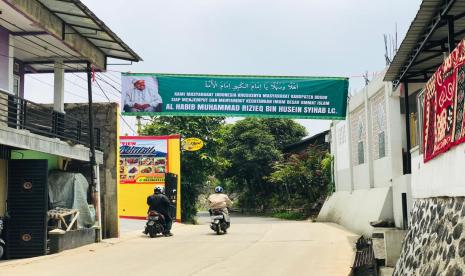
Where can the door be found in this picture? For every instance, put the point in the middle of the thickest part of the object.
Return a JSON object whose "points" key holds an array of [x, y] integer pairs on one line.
{"points": [[171, 183], [27, 206]]}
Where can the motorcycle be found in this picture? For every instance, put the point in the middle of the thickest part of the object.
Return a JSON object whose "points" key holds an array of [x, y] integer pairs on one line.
{"points": [[155, 224], [2, 242], [218, 221]]}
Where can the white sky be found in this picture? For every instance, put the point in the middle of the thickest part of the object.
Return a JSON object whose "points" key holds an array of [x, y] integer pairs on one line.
{"points": [[259, 37]]}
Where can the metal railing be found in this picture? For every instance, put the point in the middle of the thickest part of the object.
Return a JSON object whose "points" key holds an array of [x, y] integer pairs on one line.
{"points": [[19, 113]]}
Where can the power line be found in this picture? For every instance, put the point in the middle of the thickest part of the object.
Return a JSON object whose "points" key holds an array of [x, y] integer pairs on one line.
{"points": [[98, 84], [122, 118], [106, 76], [48, 84], [116, 89]]}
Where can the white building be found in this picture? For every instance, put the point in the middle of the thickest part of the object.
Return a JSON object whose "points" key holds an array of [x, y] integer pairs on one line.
{"points": [[368, 161]]}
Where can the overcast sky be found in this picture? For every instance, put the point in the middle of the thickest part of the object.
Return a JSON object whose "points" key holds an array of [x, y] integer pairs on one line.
{"points": [[259, 37]]}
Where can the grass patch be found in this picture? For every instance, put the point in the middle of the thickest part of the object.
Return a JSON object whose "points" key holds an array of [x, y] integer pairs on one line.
{"points": [[289, 215]]}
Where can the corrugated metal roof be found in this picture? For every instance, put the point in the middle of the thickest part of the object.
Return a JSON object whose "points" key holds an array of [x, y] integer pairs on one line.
{"points": [[428, 9], [417, 57], [83, 21]]}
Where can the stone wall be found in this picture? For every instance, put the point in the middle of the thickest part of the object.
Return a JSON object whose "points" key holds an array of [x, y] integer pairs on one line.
{"points": [[435, 242], [105, 118]]}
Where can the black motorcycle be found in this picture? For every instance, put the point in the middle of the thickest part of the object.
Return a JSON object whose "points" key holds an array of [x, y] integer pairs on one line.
{"points": [[2, 242], [218, 221], [155, 224]]}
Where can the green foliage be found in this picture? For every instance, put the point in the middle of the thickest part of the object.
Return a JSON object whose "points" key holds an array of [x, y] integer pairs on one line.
{"points": [[302, 178], [252, 146], [289, 215], [247, 159], [196, 166]]}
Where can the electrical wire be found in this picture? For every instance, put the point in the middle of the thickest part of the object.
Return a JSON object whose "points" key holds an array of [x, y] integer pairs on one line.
{"points": [[48, 84], [122, 118], [112, 86]]}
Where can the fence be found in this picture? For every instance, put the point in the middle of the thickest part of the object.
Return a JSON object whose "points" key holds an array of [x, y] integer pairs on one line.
{"points": [[19, 113]]}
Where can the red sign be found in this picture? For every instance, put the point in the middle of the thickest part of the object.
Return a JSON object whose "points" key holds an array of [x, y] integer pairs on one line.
{"points": [[443, 118]]}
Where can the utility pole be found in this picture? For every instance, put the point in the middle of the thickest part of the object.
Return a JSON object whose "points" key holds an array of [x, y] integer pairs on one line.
{"points": [[139, 125]]}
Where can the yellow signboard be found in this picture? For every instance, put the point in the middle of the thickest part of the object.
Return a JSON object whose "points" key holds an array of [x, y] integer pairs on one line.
{"points": [[192, 144], [147, 162]]}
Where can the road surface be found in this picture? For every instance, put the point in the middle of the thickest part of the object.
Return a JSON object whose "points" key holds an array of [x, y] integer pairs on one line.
{"points": [[253, 246]]}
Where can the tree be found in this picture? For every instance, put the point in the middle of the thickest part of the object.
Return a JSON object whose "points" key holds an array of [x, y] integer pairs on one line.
{"points": [[303, 179], [285, 131], [196, 166], [252, 146]]}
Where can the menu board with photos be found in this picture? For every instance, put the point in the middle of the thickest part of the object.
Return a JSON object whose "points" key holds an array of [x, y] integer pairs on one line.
{"points": [[143, 160]]}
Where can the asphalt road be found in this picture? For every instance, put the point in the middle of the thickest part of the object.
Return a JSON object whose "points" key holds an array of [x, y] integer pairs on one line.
{"points": [[253, 246]]}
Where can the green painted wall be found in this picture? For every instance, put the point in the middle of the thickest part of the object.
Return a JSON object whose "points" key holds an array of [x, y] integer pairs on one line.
{"points": [[53, 160]]}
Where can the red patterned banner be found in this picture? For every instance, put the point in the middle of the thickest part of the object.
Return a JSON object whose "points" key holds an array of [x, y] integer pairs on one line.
{"points": [[443, 117]]}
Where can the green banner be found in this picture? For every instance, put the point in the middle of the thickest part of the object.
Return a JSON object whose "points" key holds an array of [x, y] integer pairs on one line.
{"points": [[234, 96]]}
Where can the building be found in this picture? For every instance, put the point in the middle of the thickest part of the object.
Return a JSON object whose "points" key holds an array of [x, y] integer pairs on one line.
{"points": [[46, 36], [318, 140], [368, 150], [425, 61], [409, 166]]}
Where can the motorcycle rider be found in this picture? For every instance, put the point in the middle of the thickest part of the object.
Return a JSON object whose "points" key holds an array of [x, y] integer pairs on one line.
{"points": [[160, 203], [220, 200]]}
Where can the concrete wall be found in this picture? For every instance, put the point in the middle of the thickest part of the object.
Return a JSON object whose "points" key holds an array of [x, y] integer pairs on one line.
{"points": [[361, 177], [442, 176], [24, 139], [343, 180], [401, 185], [53, 160], [356, 210], [377, 109], [106, 116], [382, 172], [4, 60], [340, 149]]}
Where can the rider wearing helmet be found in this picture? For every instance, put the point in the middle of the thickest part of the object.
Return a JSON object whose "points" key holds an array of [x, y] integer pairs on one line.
{"points": [[220, 200], [160, 203]]}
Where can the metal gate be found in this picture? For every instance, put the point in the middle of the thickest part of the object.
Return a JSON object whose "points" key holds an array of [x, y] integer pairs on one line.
{"points": [[27, 207]]}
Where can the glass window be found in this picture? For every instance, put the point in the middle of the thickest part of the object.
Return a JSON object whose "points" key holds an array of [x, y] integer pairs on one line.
{"points": [[361, 155], [381, 145]]}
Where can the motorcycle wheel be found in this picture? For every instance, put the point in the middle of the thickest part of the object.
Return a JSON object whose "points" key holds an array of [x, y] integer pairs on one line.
{"points": [[152, 234], [218, 229], [2, 250]]}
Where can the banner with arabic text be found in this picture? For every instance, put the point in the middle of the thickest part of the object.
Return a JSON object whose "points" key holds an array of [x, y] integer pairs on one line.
{"points": [[238, 96]]}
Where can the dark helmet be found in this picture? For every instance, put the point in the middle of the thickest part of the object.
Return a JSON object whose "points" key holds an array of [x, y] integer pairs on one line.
{"points": [[218, 189], [158, 190]]}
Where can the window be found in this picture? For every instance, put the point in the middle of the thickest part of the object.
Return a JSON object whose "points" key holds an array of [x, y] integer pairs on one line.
{"points": [[381, 130], [381, 145], [360, 144], [361, 153], [16, 85]]}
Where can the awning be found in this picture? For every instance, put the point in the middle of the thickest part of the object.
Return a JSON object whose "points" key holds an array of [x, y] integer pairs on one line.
{"points": [[80, 19], [46, 31], [427, 41]]}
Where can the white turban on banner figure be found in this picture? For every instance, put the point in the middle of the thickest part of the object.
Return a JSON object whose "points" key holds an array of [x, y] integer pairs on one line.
{"points": [[140, 94]]}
